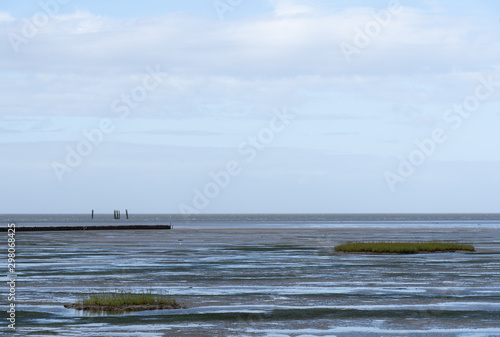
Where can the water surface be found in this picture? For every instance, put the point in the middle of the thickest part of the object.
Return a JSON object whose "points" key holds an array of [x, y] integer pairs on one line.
{"points": [[265, 275]]}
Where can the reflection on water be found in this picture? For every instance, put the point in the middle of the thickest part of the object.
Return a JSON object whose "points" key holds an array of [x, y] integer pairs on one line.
{"points": [[100, 313], [272, 281]]}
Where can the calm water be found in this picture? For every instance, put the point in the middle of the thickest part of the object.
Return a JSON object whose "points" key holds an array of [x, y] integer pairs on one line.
{"points": [[261, 275]]}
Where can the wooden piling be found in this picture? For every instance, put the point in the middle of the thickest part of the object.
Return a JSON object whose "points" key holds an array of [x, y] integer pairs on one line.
{"points": [[126, 213], [92, 214], [116, 215]]}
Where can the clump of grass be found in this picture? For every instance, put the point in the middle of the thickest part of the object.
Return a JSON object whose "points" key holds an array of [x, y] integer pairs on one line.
{"points": [[125, 301], [401, 247], [122, 298]]}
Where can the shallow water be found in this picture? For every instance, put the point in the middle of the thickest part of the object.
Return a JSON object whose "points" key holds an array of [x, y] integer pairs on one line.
{"points": [[262, 280]]}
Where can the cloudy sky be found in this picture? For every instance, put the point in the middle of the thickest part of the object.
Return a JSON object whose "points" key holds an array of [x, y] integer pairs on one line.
{"points": [[239, 106]]}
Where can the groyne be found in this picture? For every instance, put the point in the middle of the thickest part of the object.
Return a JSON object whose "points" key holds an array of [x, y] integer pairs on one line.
{"points": [[85, 228]]}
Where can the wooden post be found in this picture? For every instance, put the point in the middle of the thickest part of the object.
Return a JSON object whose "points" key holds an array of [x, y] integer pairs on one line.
{"points": [[126, 213], [92, 214], [116, 214]]}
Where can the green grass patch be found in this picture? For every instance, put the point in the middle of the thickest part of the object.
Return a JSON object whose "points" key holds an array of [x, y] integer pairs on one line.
{"points": [[126, 298], [402, 247], [125, 301]]}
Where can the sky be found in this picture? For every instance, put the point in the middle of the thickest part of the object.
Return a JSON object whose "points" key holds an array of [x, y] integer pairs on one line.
{"points": [[239, 106]]}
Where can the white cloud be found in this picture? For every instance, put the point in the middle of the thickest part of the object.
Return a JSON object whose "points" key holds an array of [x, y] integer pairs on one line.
{"points": [[80, 22], [80, 63], [291, 44], [291, 8], [5, 17], [263, 46]]}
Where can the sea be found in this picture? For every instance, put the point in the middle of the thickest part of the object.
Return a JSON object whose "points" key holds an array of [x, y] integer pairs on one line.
{"points": [[273, 275]]}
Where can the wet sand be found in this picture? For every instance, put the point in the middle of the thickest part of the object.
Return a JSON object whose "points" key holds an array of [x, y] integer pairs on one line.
{"points": [[261, 282]]}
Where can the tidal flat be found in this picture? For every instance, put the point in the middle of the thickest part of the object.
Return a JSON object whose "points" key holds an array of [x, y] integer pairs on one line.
{"points": [[260, 282]]}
